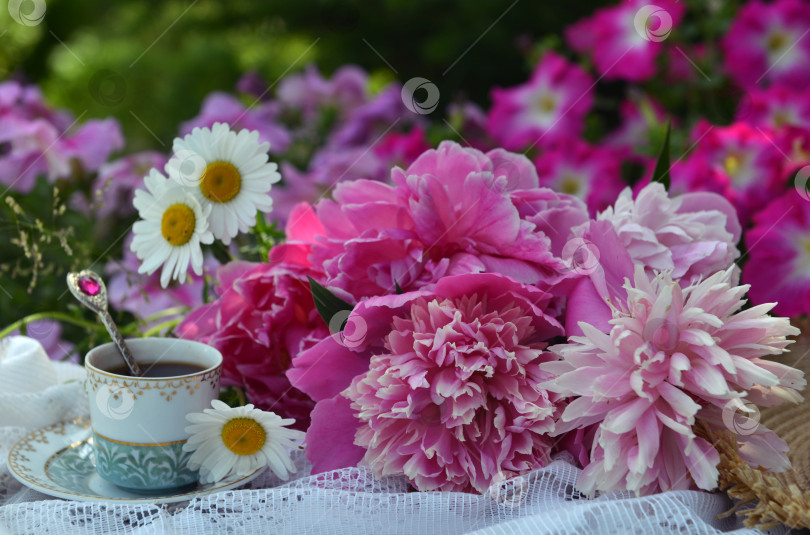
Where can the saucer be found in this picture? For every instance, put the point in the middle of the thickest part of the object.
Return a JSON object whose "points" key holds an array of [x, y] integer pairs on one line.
{"points": [[58, 460]]}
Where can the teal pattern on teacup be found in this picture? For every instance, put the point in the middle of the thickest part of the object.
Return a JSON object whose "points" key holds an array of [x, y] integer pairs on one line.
{"points": [[143, 467]]}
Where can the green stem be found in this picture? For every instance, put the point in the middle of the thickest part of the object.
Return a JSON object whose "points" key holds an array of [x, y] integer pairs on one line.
{"points": [[59, 316], [161, 326]]}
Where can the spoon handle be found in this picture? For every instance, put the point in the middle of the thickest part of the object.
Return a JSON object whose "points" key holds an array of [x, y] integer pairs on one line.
{"points": [[108, 322]]}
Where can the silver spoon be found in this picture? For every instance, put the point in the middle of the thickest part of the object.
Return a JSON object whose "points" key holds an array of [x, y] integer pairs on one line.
{"points": [[89, 289]]}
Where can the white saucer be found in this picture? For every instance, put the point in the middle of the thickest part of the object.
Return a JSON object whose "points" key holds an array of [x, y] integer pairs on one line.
{"points": [[58, 460]]}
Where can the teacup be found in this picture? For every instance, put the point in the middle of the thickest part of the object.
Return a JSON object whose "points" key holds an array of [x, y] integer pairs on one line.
{"points": [[138, 422]]}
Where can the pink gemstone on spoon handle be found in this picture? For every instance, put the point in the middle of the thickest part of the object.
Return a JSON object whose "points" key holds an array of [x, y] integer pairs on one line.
{"points": [[88, 286]]}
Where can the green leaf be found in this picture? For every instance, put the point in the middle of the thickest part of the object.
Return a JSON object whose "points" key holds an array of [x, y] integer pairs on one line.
{"points": [[398, 289], [661, 172], [327, 303]]}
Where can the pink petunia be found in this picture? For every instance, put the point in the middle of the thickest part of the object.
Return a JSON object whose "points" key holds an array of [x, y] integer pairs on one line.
{"points": [[625, 40], [442, 384], [551, 106], [741, 162], [769, 43], [592, 173], [779, 255], [675, 353]]}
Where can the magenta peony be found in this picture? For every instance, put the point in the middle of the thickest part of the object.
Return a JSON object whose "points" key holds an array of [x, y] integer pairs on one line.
{"points": [[443, 385], [674, 353], [454, 210], [264, 316]]}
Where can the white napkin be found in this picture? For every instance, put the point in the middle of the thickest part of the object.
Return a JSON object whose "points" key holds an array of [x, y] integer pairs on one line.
{"points": [[34, 391]]}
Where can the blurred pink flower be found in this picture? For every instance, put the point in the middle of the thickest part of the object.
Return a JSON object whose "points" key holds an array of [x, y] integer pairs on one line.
{"points": [[673, 350], [36, 140], [114, 187], [263, 317], [691, 236], [592, 173], [778, 268], [310, 93], [638, 115], [549, 107], [625, 40], [453, 211], [776, 107], [443, 384], [739, 161], [221, 107], [768, 43], [49, 333], [142, 294]]}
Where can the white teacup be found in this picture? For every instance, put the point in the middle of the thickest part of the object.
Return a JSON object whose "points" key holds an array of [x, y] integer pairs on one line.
{"points": [[138, 422]]}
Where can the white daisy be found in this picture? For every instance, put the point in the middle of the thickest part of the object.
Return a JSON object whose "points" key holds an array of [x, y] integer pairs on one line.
{"points": [[172, 228], [228, 172], [238, 441]]}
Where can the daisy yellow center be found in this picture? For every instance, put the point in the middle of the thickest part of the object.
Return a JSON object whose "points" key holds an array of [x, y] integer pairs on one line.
{"points": [[243, 436], [221, 181], [178, 224], [777, 41]]}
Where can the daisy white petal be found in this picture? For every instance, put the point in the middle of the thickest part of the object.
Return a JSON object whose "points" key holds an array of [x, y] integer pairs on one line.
{"points": [[231, 176], [239, 440]]}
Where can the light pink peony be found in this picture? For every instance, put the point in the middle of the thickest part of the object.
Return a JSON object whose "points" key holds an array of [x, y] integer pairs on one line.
{"points": [[674, 353], [624, 40], [264, 316], [692, 235], [442, 383], [549, 107]]}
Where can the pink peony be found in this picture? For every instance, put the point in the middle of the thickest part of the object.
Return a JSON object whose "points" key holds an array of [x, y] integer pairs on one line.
{"points": [[674, 353], [779, 255], [263, 318], [454, 210], [589, 172], [738, 161], [551, 106], [768, 43], [442, 384], [625, 40], [691, 236]]}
